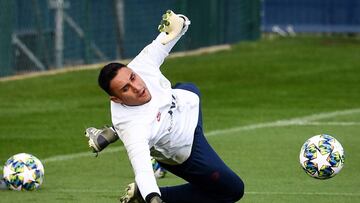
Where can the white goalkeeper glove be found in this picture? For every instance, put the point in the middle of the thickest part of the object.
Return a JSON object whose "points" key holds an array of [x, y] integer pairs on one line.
{"points": [[173, 25]]}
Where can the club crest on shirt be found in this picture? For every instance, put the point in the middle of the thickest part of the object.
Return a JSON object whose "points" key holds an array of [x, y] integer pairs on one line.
{"points": [[158, 116]]}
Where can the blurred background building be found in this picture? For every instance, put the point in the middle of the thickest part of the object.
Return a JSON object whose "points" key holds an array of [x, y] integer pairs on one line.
{"points": [[38, 35]]}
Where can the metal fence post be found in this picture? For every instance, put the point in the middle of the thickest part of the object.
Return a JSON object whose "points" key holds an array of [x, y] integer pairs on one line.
{"points": [[120, 25], [59, 6], [59, 34]]}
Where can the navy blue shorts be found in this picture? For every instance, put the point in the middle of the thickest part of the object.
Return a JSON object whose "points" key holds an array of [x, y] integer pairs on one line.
{"points": [[209, 178]]}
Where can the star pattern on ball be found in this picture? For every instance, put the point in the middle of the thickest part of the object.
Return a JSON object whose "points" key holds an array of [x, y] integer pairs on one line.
{"points": [[321, 156], [321, 160], [7, 171], [23, 172], [27, 175]]}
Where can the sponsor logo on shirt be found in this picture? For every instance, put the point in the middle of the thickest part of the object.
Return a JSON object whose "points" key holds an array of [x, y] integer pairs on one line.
{"points": [[170, 112]]}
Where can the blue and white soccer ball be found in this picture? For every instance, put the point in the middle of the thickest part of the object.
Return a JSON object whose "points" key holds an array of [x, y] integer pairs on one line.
{"points": [[23, 172], [322, 156]]}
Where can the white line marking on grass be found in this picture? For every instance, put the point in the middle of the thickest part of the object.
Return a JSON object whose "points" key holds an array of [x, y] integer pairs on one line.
{"points": [[61, 190], [288, 122], [330, 123], [306, 120], [305, 193], [80, 155]]}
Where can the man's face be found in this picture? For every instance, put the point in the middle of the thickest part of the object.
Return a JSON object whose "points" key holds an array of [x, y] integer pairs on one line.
{"points": [[128, 88]]}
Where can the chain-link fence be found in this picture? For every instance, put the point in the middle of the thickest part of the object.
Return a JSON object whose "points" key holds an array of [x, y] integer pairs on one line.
{"points": [[38, 35]]}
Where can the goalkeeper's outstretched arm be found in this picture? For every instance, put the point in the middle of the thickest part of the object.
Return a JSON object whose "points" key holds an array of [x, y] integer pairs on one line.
{"points": [[172, 27]]}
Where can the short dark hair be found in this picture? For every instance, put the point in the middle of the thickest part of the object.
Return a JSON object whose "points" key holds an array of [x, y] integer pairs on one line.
{"points": [[107, 73]]}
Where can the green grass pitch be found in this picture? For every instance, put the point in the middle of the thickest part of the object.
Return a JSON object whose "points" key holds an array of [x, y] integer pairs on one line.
{"points": [[245, 93]]}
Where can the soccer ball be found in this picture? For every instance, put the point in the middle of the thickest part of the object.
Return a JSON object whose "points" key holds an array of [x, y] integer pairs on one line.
{"points": [[159, 171], [23, 172], [322, 156]]}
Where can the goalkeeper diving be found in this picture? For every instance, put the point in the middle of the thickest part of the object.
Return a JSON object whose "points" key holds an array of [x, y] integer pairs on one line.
{"points": [[155, 120]]}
